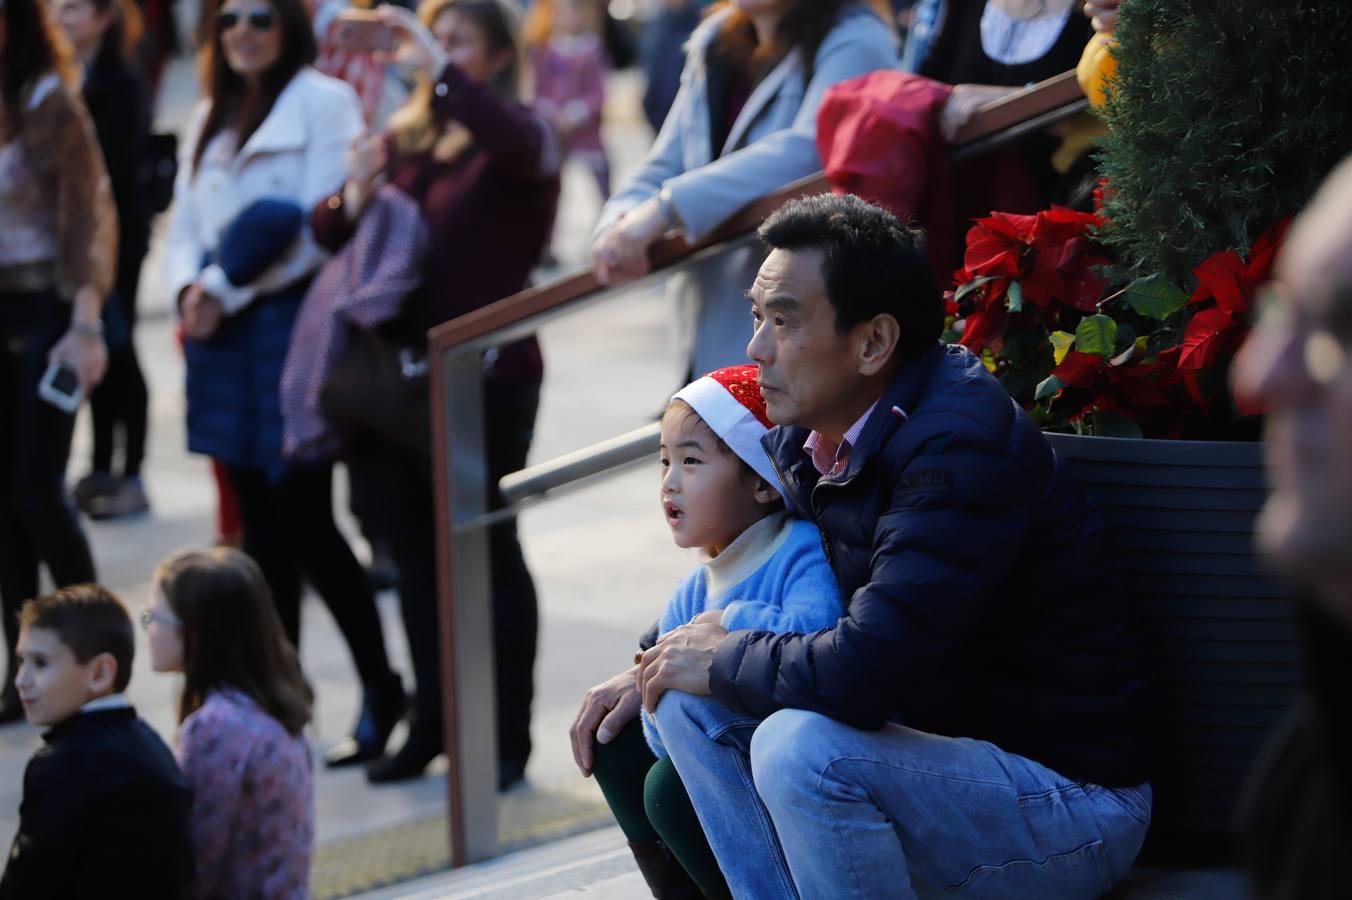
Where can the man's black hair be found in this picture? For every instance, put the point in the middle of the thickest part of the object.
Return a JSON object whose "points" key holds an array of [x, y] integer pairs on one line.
{"points": [[872, 264]]}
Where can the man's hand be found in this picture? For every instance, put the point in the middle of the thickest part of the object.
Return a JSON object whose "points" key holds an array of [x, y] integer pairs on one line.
{"points": [[680, 661], [606, 709]]}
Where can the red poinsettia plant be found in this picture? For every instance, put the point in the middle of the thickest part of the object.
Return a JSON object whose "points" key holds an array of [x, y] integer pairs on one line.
{"points": [[1147, 360]]}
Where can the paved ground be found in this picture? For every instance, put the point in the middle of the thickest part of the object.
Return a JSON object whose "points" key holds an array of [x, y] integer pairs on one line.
{"points": [[602, 558]]}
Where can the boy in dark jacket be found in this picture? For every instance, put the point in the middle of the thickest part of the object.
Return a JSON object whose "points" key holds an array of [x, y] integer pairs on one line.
{"points": [[105, 808]]}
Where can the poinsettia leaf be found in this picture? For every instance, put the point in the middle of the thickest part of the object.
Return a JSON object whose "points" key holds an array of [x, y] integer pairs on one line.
{"points": [[1209, 334], [1264, 251], [1061, 344], [974, 284], [1096, 335], [985, 327], [1014, 297], [1221, 276], [1125, 338], [1115, 424], [1048, 388], [1080, 370], [1155, 297]]}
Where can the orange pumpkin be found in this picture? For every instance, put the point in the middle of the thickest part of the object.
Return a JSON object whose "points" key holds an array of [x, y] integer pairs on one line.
{"points": [[1097, 65]]}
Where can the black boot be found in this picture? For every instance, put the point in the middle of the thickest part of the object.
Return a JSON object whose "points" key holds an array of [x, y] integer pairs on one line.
{"points": [[381, 710], [664, 875], [423, 745]]}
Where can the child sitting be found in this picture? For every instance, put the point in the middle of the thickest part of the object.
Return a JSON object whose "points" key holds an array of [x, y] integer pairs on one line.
{"points": [[762, 570], [105, 809], [239, 740]]}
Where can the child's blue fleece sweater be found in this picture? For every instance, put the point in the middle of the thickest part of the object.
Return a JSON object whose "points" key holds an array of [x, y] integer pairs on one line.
{"points": [[774, 577]]}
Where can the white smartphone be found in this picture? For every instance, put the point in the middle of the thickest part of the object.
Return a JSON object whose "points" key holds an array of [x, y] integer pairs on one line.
{"points": [[60, 386]]}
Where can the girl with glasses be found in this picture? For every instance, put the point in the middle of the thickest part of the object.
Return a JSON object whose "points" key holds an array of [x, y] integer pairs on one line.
{"points": [[239, 741]]}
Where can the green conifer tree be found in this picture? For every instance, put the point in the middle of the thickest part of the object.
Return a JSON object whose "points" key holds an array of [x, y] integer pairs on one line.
{"points": [[1225, 116]]}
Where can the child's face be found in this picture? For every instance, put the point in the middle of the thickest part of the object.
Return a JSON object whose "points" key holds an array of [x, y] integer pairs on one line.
{"points": [[52, 683], [706, 495], [570, 16], [165, 633]]}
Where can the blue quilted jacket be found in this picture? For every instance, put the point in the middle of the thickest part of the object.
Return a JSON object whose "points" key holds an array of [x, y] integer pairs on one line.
{"points": [[234, 411], [981, 599]]}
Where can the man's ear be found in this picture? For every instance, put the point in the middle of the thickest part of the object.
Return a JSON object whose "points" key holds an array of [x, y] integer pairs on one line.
{"points": [[876, 342], [101, 674]]}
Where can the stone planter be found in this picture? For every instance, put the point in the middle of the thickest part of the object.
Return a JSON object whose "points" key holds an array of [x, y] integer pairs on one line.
{"points": [[1220, 640]]}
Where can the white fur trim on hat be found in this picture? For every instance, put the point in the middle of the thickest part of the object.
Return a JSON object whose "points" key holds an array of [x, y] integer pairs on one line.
{"points": [[733, 422]]}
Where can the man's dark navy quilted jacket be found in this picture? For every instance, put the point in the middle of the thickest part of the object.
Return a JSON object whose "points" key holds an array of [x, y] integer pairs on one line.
{"points": [[982, 601]]}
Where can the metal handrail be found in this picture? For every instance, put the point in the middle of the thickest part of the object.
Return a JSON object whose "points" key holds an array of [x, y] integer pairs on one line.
{"points": [[455, 348]]}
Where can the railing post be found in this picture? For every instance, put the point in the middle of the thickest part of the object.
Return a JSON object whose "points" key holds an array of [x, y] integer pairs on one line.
{"points": [[465, 606]]}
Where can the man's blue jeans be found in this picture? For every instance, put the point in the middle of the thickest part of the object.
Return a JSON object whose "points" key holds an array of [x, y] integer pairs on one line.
{"points": [[802, 805]]}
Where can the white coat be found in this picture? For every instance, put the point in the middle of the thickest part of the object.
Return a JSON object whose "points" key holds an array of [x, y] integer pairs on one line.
{"points": [[298, 153], [772, 143]]}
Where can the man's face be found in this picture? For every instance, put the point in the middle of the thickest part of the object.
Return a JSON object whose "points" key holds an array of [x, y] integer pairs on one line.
{"points": [[808, 372], [1296, 363]]}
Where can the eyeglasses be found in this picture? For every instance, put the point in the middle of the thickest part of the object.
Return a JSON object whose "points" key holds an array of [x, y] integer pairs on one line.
{"points": [[260, 18], [149, 615]]}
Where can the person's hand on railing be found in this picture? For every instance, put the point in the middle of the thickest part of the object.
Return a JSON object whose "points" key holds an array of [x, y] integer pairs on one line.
{"points": [[621, 252], [963, 104], [1102, 13], [606, 709]]}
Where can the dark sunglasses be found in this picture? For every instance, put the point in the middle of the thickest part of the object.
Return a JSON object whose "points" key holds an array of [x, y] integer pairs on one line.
{"points": [[259, 19]]}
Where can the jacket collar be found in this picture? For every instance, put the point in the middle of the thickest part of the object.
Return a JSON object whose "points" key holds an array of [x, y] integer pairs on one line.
{"points": [[284, 127], [784, 444], [86, 721], [761, 96]]}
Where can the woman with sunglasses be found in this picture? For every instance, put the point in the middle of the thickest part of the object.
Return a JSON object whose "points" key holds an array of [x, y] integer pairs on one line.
{"points": [[483, 170], [267, 143], [58, 245]]}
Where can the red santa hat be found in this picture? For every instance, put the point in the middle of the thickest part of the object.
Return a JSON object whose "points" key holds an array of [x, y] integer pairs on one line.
{"points": [[729, 401]]}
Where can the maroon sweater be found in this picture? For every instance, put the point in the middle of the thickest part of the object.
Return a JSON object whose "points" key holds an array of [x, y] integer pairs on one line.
{"points": [[489, 212]]}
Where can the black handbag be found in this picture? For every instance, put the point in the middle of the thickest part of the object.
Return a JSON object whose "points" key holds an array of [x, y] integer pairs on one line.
{"points": [[381, 385]]}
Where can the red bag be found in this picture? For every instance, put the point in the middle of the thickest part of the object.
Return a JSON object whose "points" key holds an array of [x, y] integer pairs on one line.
{"points": [[879, 137]]}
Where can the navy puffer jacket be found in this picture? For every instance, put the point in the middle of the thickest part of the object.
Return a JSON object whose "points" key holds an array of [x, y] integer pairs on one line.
{"points": [[981, 597]]}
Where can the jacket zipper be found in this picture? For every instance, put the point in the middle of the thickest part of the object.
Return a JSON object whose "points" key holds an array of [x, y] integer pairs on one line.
{"points": [[816, 508]]}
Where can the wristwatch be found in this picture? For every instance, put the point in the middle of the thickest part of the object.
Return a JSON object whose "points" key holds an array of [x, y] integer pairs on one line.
{"points": [[92, 329]]}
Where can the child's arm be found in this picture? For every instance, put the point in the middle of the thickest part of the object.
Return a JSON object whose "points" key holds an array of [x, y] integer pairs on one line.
{"points": [[809, 600]]}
